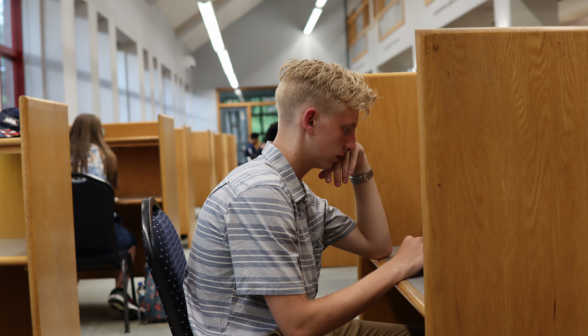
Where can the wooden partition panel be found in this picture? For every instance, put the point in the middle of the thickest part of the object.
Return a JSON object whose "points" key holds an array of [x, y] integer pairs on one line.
{"points": [[204, 165], [341, 198], [389, 135], [232, 149], [168, 163], [503, 120], [12, 224], [185, 179], [49, 217], [221, 156]]}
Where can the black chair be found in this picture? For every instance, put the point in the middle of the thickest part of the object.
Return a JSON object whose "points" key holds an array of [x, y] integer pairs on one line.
{"points": [[96, 247], [167, 263]]}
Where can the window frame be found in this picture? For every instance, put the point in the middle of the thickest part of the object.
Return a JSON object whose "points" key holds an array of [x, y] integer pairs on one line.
{"points": [[15, 54], [380, 10], [352, 34]]}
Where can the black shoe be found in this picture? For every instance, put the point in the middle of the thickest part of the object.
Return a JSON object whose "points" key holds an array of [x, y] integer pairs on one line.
{"points": [[117, 301]]}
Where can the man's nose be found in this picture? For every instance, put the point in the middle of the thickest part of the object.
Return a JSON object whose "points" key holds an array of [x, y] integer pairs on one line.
{"points": [[350, 145]]}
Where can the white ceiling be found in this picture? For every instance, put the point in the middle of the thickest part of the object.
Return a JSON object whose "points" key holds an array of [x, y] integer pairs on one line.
{"points": [[187, 22]]}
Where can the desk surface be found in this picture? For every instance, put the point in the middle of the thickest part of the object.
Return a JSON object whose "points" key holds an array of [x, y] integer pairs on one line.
{"points": [[13, 252], [413, 289]]}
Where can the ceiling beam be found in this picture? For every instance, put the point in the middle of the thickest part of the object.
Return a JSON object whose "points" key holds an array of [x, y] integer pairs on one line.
{"points": [[196, 19]]}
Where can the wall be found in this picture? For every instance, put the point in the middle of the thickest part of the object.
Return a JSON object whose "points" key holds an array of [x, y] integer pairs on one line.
{"points": [[259, 43], [67, 58]]}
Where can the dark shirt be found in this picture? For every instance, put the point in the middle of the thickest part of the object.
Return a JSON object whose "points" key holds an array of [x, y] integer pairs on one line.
{"points": [[251, 152]]}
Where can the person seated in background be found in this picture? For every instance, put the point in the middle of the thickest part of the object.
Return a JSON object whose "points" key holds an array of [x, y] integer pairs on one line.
{"points": [[270, 134], [252, 149], [256, 256], [91, 155]]}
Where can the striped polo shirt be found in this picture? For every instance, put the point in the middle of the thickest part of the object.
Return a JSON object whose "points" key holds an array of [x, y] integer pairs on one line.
{"points": [[260, 232]]}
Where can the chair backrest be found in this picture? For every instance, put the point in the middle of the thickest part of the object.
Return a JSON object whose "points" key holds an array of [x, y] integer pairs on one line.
{"points": [[167, 263], [93, 205]]}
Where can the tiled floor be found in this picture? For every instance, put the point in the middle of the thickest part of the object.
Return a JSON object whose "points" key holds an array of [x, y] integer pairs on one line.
{"points": [[98, 319]]}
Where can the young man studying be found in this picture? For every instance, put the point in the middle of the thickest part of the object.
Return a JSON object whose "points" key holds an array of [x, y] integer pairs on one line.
{"points": [[256, 256]]}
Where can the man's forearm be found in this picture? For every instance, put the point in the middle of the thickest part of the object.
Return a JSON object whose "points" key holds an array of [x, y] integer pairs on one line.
{"points": [[371, 217], [299, 316]]}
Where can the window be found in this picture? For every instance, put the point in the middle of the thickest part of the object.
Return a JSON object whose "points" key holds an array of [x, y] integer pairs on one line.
{"points": [[11, 58], [390, 16], [357, 27]]}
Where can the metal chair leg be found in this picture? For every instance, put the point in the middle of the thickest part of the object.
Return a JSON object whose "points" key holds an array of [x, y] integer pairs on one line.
{"points": [[124, 266], [133, 285]]}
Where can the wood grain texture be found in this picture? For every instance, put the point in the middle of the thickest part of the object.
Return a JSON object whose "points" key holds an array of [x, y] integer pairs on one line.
{"points": [[49, 217], [130, 130], [221, 156], [232, 150], [12, 224], [167, 155], [341, 198], [139, 172], [185, 178], [204, 165], [389, 135], [503, 119]]}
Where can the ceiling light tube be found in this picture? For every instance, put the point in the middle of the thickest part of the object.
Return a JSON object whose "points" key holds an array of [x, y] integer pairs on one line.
{"points": [[207, 12], [320, 3], [314, 16], [225, 61], [233, 80]]}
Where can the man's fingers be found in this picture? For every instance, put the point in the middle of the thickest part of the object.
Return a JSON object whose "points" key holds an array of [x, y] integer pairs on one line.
{"points": [[352, 161], [345, 167], [337, 173], [321, 175], [327, 173]]}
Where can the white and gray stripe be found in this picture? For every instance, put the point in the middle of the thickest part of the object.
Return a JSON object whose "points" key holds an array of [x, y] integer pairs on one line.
{"points": [[260, 232]]}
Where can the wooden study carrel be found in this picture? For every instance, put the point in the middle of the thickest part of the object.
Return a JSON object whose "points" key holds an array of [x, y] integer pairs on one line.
{"points": [[147, 166], [37, 244]]}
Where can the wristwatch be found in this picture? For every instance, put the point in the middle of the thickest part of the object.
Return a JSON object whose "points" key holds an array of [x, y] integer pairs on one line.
{"points": [[362, 178]]}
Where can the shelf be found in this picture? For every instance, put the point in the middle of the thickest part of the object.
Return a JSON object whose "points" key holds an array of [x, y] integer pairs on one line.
{"points": [[13, 252], [10, 146], [135, 200], [136, 141]]}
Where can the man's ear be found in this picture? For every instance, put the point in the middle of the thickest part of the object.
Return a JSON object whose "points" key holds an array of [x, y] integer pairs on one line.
{"points": [[309, 119]]}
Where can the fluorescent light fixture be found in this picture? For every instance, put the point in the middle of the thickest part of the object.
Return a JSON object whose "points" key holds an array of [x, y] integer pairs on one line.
{"points": [[240, 95], [320, 3], [314, 16], [207, 12], [233, 80], [225, 61], [209, 18]]}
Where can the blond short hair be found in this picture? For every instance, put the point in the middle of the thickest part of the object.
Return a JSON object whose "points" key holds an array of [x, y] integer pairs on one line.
{"points": [[329, 86]]}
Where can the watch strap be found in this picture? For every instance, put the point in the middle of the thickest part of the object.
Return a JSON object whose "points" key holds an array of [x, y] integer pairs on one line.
{"points": [[362, 178]]}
